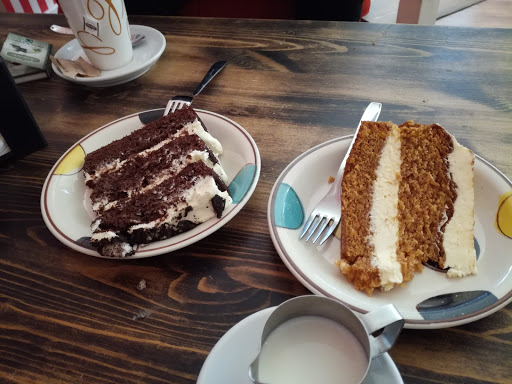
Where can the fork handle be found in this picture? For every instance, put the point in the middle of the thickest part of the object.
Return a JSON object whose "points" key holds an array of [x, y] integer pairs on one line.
{"points": [[215, 68]]}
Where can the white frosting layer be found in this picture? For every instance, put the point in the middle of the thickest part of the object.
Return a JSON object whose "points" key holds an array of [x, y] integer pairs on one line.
{"points": [[214, 144], [175, 167], [199, 198], [384, 212], [95, 225], [191, 128], [109, 235], [126, 248], [458, 240], [177, 164]]}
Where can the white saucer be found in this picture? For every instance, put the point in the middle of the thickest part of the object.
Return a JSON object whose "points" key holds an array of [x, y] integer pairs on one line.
{"points": [[229, 360], [145, 55]]}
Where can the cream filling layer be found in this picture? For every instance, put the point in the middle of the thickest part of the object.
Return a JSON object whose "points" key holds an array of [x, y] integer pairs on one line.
{"points": [[199, 197], [109, 235], [190, 128], [384, 213], [458, 236], [176, 166]]}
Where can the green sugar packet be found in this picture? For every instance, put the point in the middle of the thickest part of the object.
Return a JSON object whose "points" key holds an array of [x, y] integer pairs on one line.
{"points": [[23, 50]]}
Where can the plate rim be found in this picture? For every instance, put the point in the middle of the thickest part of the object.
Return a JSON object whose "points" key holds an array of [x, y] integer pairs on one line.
{"points": [[119, 77], [54, 229], [409, 323]]}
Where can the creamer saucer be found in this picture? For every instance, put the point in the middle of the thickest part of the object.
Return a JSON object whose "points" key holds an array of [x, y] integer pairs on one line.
{"points": [[228, 361]]}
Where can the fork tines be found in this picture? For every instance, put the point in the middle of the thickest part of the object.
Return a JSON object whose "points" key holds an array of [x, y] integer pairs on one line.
{"points": [[177, 102], [318, 224]]}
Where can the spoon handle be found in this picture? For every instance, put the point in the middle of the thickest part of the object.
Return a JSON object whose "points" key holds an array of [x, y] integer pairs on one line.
{"points": [[216, 68], [63, 30]]}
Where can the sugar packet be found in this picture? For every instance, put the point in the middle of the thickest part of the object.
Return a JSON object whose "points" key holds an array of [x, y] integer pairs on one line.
{"points": [[75, 68]]}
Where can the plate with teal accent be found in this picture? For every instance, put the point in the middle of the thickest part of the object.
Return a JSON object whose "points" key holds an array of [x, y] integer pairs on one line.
{"points": [[431, 300], [65, 201]]}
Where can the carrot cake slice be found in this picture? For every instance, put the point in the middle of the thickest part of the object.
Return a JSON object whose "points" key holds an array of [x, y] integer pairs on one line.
{"points": [[407, 199]]}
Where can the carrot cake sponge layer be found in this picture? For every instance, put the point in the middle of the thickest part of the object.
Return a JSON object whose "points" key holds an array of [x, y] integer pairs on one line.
{"points": [[369, 223], [407, 198], [426, 194]]}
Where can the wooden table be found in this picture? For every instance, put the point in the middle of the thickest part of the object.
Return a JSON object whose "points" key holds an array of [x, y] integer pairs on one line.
{"points": [[70, 318]]}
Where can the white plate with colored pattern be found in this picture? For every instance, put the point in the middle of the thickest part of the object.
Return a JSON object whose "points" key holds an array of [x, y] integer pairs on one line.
{"points": [[430, 300], [64, 199], [145, 55], [229, 360]]}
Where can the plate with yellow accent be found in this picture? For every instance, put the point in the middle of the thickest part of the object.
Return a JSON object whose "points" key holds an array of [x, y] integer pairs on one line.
{"points": [[431, 299], [65, 202]]}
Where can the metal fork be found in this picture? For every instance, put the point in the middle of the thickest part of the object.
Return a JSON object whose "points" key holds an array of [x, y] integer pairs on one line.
{"points": [[178, 102], [328, 210]]}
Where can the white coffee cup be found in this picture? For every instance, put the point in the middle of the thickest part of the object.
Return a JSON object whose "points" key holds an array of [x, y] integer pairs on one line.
{"points": [[101, 27], [314, 339]]}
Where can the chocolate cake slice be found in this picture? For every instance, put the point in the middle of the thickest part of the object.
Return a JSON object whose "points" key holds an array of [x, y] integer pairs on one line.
{"points": [[159, 181]]}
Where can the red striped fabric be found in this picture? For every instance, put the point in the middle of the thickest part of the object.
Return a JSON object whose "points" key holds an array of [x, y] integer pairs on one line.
{"points": [[8, 6], [42, 5], [13, 6], [25, 4]]}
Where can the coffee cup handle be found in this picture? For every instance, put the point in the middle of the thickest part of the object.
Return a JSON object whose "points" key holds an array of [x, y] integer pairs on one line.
{"points": [[387, 319]]}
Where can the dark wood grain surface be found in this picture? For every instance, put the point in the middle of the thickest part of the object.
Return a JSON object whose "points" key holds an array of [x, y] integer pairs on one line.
{"points": [[70, 318]]}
